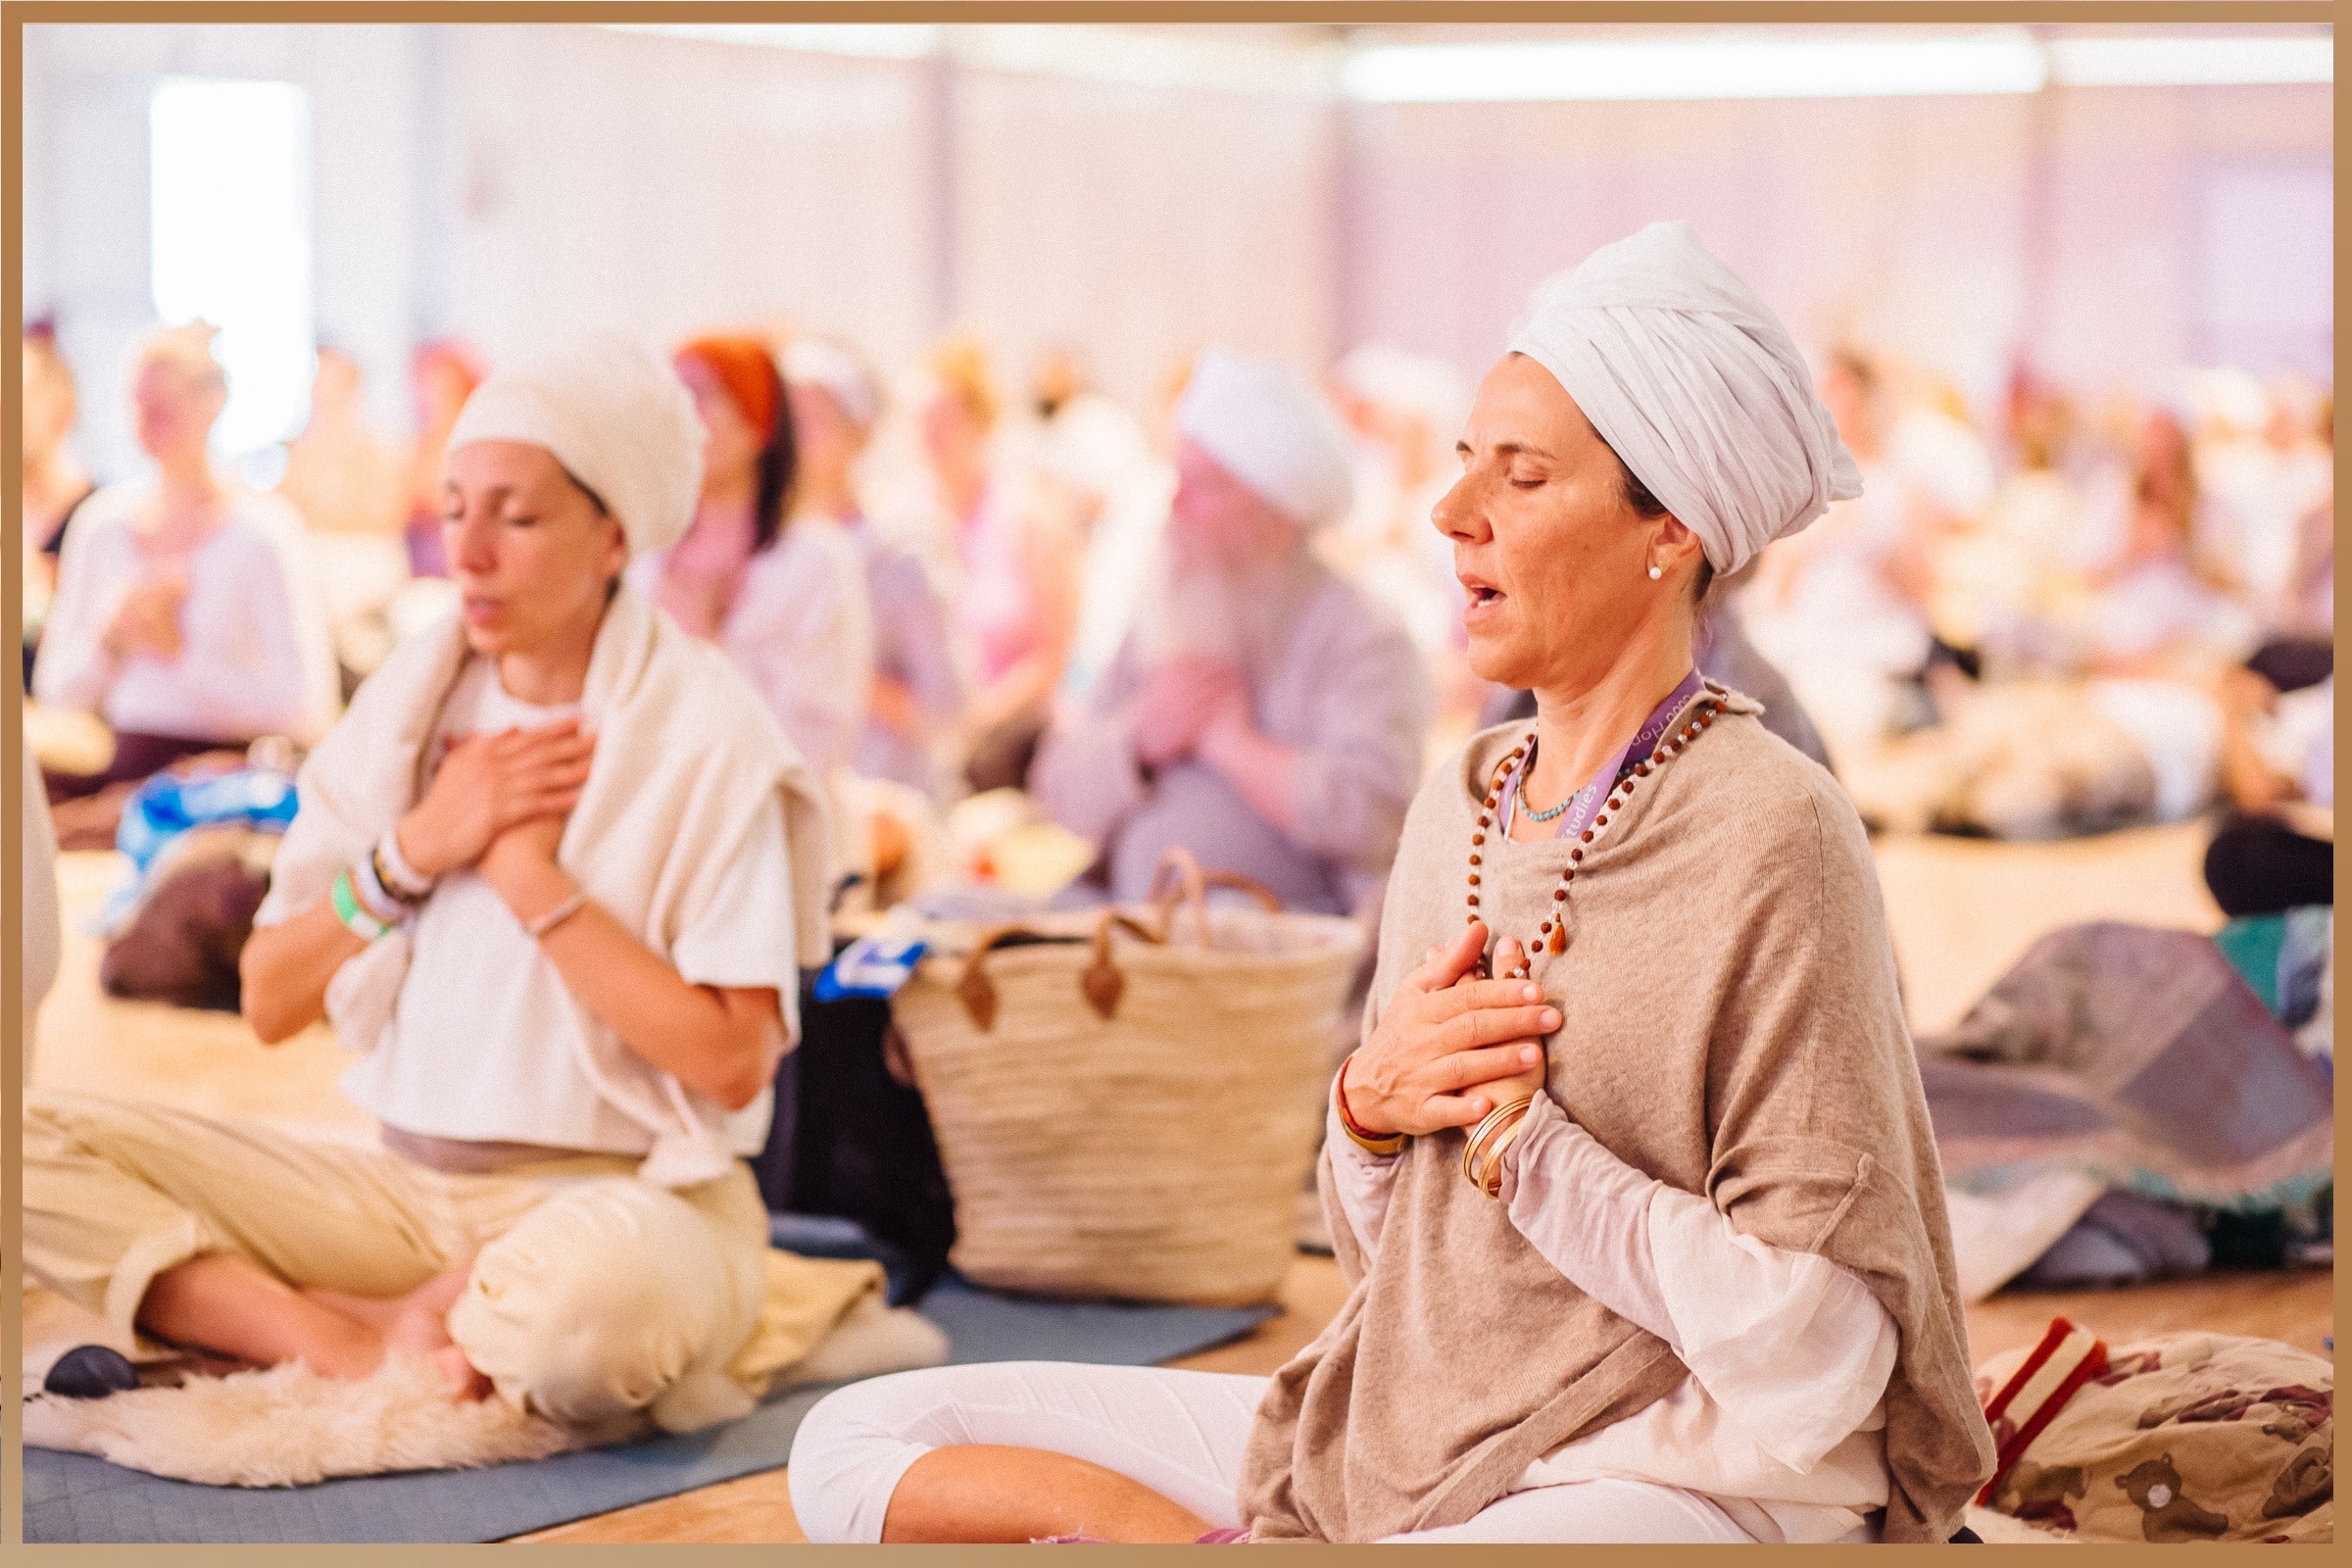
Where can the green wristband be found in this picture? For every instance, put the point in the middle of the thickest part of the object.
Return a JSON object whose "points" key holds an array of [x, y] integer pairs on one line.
{"points": [[361, 923]]}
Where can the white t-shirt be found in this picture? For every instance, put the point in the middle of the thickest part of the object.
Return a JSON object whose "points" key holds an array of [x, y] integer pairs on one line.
{"points": [[241, 670], [438, 1075]]}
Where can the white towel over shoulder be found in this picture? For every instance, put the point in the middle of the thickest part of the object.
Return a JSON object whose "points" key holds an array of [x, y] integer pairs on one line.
{"points": [[687, 761]]}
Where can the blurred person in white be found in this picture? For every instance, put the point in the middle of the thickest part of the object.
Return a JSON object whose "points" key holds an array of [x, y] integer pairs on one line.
{"points": [[1095, 465], [2164, 623], [350, 488], [55, 483], [1842, 609], [2162, 604], [915, 701], [2125, 720], [1264, 713], [1406, 411], [2263, 469], [782, 591], [2002, 588], [182, 618], [1015, 608], [552, 880]]}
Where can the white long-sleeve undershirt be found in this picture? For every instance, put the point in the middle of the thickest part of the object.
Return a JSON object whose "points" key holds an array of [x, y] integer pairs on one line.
{"points": [[1781, 1420]]}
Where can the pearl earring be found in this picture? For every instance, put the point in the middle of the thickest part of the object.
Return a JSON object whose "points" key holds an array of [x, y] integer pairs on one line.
{"points": [[1656, 571]]}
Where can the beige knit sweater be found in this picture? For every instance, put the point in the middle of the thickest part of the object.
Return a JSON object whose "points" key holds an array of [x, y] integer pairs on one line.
{"points": [[1732, 1027]]}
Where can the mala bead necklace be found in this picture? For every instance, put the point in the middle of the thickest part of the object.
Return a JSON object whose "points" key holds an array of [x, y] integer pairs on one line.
{"points": [[1552, 936]]}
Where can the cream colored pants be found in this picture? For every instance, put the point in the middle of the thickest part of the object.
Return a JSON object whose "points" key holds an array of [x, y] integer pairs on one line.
{"points": [[592, 1295]]}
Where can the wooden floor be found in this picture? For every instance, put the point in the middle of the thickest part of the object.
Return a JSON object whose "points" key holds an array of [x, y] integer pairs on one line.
{"points": [[1961, 912]]}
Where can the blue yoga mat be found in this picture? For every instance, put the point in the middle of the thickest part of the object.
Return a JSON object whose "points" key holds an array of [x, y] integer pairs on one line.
{"points": [[72, 1496]]}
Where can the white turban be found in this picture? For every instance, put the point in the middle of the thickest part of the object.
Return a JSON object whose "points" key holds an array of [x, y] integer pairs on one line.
{"points": [[1093, 445], [1696, 385], [813, 362], [616, 416], [1267, 428]]}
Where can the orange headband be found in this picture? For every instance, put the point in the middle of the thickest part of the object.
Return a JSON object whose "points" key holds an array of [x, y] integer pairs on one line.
{"points": [[747, 371]]}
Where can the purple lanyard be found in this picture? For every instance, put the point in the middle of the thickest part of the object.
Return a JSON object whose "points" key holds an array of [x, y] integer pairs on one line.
{"points": [[1584, 804]]}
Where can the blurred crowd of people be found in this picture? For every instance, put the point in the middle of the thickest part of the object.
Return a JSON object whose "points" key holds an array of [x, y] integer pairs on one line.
{"points": [[1227, 620], [2073, 617]]}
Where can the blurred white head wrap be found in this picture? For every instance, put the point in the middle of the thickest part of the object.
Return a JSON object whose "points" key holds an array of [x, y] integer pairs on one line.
{"points": [[1092, 445], [1696, 385], [813, 362], [1266, 427], [616, 415]]}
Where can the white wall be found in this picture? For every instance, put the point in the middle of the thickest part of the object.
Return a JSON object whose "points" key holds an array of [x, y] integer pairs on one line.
{"points": [[662, 185], [1141, 223], [1906, 225], [2143, 176], [510, 183], [86, 236]]}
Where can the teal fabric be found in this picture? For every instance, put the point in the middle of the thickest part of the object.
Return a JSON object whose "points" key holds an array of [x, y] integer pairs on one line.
{"points": [[2253, 945]]}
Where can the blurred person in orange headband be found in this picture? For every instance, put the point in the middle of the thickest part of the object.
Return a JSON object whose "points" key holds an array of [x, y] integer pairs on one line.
{"points": [[784, 596]]}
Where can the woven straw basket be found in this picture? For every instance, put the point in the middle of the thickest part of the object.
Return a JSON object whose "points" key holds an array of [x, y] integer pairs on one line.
{"points": [[1127, 1103]]}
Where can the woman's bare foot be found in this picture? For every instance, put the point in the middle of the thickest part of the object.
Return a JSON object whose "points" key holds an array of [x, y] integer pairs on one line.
{"points": [[416, 1323]]}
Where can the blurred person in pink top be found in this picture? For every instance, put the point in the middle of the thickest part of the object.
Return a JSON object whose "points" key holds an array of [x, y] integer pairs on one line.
{"points": [[1016, 607]]}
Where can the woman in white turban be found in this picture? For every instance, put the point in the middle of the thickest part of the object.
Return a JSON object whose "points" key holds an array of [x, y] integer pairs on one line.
{"points": [[1263, 713], [1631, 1178], [552, 878]]}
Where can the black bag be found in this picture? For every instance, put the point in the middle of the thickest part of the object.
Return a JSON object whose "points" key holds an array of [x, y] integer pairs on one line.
{"points": [[852, 1139]]}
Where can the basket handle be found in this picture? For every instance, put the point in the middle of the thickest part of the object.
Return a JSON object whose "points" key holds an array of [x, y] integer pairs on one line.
{"points": [[1100, 983], [1192, 886]]}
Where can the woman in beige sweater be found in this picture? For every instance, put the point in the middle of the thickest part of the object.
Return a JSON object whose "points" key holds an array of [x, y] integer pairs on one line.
{"points": [[1632, 1178]]}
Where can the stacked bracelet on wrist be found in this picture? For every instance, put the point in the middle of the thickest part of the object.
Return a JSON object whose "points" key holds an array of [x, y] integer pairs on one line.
{"points": [[392, 870], [361, 921], [368, 885], [1372, 1143], [1481, 1155]]}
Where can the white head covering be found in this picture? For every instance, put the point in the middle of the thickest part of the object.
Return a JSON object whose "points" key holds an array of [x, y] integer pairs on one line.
{"points": [[1093, 445], [616, 415], [1696, 385], [813, 362], [1266, 427]]}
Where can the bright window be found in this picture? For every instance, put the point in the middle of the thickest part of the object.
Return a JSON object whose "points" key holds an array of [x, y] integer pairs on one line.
{"points": [[230, 186]]}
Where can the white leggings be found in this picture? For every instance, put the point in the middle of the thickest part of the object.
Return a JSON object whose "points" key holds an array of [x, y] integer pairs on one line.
{"points": [[1181, 1434]]}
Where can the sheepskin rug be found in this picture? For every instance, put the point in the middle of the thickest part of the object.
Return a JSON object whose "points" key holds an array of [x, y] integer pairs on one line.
{"points": [[287, 1426]]}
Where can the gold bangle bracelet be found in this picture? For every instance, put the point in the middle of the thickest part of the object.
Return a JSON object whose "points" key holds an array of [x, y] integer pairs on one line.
{"points": [[1490, 1175], [1474, 1152]]}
